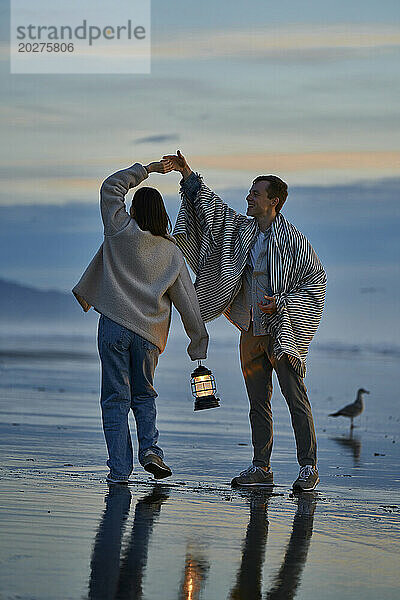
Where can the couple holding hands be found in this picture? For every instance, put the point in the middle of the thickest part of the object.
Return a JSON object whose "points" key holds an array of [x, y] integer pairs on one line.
{"points": [[256, 269]]}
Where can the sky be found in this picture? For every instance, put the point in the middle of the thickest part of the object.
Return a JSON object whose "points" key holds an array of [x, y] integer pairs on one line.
{"points": [[308, 91]]}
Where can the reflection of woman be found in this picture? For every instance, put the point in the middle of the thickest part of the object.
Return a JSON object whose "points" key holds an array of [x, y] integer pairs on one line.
{"points": [[112, 575], [136, 274]]}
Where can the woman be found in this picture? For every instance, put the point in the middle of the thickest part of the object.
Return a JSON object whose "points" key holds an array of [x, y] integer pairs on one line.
{"points": [[136, 274]]}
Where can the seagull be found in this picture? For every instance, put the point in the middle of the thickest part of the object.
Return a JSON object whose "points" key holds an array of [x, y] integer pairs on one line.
{"points": [[354, 409]]}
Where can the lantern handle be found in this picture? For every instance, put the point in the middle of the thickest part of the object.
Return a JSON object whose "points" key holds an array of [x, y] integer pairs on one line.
{"points": [[199, 363]]}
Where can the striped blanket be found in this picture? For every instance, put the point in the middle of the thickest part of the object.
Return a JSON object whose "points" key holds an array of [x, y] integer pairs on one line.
{"points": [[216, 240]]}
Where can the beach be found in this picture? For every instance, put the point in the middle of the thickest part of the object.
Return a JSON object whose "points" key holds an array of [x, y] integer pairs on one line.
{"points": [[68, 535], [302, 91]]}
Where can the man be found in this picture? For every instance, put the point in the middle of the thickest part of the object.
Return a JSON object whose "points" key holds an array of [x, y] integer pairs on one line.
{"points": [[264, 276]]}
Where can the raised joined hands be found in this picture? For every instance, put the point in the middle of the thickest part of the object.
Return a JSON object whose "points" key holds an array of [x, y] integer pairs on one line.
{"points": [[177, 162], [160, 166]]}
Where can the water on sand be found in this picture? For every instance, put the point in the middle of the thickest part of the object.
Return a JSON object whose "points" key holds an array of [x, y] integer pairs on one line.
{"points": [[67, 535]]}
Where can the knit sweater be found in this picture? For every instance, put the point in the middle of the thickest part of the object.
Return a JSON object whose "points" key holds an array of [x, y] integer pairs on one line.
{"points": [[135, 275]]}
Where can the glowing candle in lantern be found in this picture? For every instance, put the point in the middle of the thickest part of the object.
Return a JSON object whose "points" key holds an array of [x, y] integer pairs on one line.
{"points": [[203, 388]]}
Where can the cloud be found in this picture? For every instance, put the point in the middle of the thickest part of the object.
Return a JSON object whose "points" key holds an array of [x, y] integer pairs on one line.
{"points": [[288, 41], [300, 161], [28, 115], [59, 185], [371, 290], [155, 139], [49, 182], [49, 190]]}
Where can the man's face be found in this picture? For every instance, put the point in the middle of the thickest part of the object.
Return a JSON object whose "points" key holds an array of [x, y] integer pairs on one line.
{"points": [[258, 203]]}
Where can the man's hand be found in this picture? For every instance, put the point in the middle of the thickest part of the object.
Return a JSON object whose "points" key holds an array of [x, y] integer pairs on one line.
{"points": [[177, 162], [161, 166], [269, 307]]}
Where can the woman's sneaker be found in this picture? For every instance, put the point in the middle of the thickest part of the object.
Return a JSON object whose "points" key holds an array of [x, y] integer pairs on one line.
{"points": [[155, 465], [307, 480], [253, 476]]}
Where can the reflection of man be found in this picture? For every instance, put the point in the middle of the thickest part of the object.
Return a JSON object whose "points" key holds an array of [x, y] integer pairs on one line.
{"points": [[288, 578], [249, 576], [248, 584], [263, 274]]}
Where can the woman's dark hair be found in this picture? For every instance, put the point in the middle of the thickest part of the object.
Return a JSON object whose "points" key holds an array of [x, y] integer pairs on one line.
{"points": [[149, 212]]}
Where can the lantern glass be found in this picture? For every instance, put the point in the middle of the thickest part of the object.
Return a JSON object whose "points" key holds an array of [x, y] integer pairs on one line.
{"points": [[203, 385], [203, 388]]}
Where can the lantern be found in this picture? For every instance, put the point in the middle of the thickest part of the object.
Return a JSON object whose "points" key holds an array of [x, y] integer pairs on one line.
{"points": [[203, 388]]}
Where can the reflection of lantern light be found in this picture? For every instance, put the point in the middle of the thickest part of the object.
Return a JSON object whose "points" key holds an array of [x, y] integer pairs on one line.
{"points": [[203, 388], [194, 578], [190, 589]]}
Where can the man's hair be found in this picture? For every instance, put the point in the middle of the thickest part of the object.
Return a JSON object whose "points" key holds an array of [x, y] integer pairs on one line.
{"points": [[149, 212], [276, 189]]}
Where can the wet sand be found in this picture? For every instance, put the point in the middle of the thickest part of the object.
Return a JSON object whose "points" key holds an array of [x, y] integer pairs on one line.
{"points": [[67, 535]]}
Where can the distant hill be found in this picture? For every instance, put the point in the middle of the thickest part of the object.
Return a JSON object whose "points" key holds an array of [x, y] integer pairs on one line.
{"points": [[24, 303]]}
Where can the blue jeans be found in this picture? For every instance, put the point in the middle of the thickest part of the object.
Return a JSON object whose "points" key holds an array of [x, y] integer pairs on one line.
{"points": [[128, 362]]}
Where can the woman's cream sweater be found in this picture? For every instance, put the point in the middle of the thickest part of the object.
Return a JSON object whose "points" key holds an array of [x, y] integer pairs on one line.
{"points": [[135, 275]]}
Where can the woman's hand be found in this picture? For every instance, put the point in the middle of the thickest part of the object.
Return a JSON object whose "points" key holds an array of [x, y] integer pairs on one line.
{"points": [[161, 166], [177, 162]]}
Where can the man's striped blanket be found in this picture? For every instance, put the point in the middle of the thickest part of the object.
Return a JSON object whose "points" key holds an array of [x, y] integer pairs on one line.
{"points": [[216, 240]]}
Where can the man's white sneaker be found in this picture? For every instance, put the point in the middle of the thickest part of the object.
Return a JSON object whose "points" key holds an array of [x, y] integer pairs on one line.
{"points": [[307, 480], [253, 476]]}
